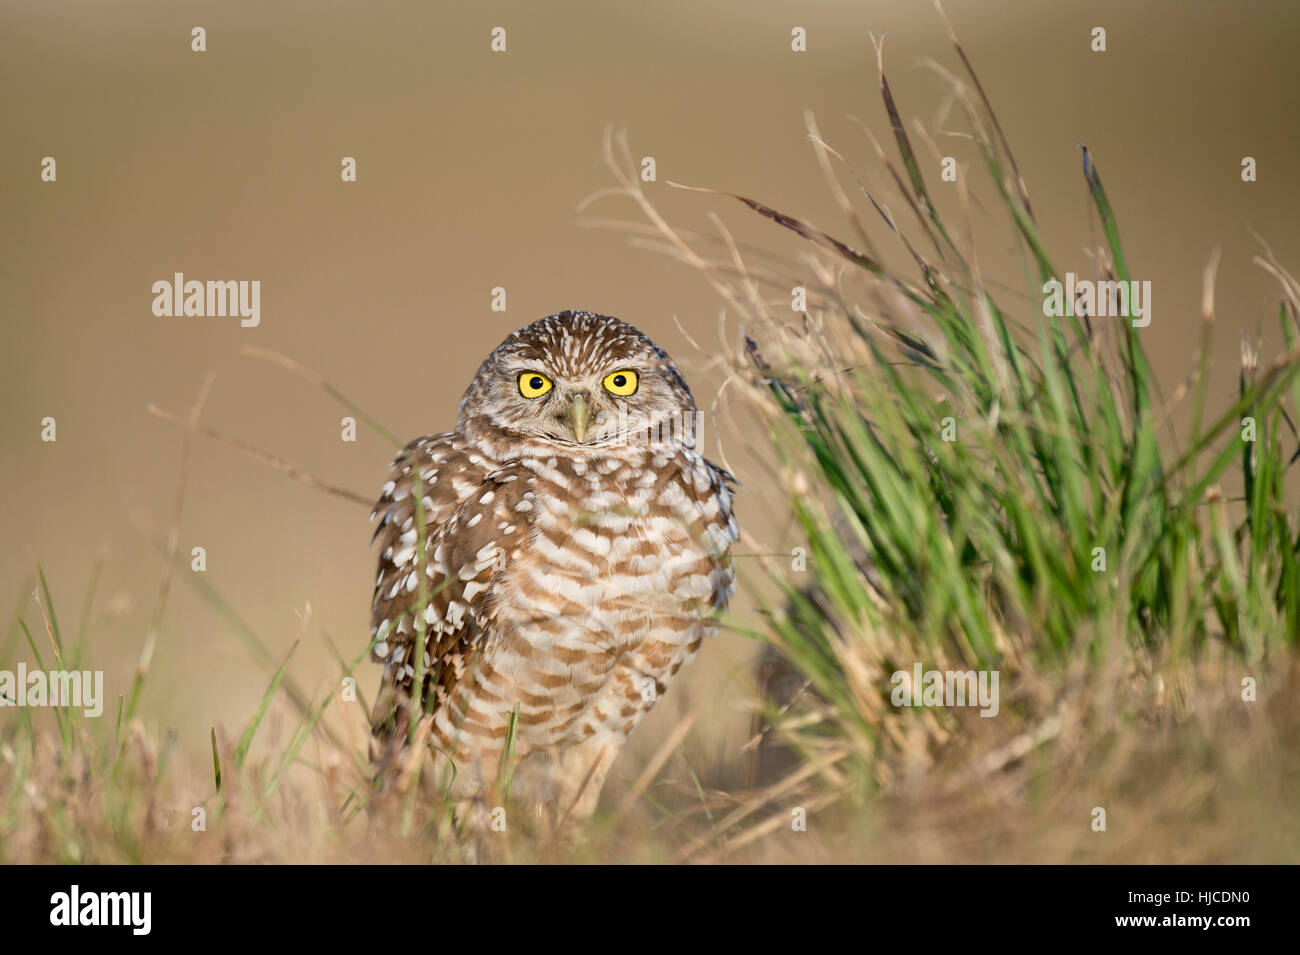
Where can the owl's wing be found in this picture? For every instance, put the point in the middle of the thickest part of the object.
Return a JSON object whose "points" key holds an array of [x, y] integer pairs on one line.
{"points": [[713, 489], [442, 471], [475, 516]]}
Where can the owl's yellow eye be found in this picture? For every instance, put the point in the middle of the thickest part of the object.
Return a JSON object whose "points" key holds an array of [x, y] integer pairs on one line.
{"points": [[533, 384], [621, 383]]}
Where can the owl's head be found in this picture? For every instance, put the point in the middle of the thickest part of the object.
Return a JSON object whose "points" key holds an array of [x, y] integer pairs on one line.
{"points": [[584, 379]]}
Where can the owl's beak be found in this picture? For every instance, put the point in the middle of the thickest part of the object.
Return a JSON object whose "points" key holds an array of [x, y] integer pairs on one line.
{"points": [[578, 417]]}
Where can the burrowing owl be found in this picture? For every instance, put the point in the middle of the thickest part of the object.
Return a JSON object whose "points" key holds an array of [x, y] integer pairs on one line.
{"points": [[575, 553]]}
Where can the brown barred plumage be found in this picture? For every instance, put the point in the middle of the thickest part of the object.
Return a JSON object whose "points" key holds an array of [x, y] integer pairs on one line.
{"points": [[576, 553]]}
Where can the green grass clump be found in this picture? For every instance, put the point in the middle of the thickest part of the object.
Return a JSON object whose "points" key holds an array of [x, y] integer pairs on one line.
{"points": [[979, 485]]}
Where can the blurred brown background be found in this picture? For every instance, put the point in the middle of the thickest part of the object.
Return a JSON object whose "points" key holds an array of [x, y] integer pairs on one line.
{"points": [[471, 165]]}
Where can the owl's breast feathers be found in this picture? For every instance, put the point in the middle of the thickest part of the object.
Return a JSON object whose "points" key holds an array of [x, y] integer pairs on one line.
{"points": [[555, 586]]}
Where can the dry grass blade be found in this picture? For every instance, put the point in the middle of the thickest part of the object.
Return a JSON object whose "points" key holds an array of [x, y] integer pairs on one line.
{"points": [[801, 228], [1290, 286], [657, 763], [316, 378], [173, 546], [842, 200], [263, 457], [1202, 370], [922, 204], [988, 107], [766, 827], [630, 186], [888, 216], [49, 627], [414, 760], [765, 797]]}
